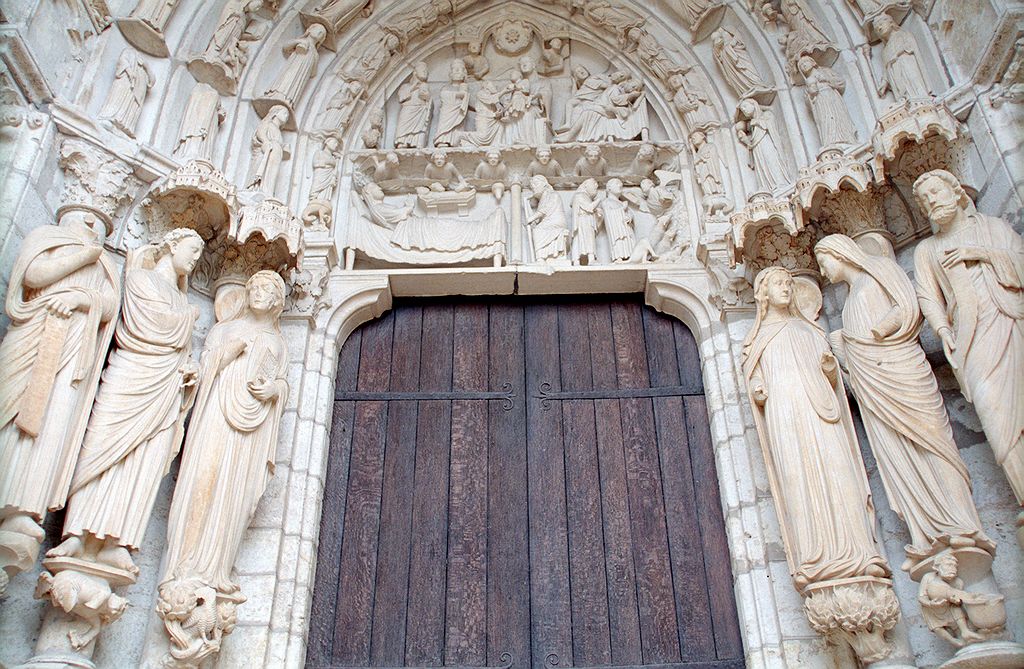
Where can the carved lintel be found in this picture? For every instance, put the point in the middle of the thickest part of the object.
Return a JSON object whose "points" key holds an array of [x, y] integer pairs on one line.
{"points": [[828, 175], [909, 121], [859, 611], [757, 214]]}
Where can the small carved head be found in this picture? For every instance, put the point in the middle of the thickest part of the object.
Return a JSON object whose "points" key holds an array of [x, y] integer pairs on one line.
{"points": [[439, 158], [278, 114], [391, 159], [592, 153], [317, 32], [941, 197], [265, 292], [580, 73], [676, 82], [806, 64], [526, 65], [555, 43], [539, 184], [184, 246], [475, 48], [884, 25], [421, 71], [589, 187], [645, 152], [697, 139], [493, 157], [614, 187], [543, 155], [457, 71], [946, 566]]}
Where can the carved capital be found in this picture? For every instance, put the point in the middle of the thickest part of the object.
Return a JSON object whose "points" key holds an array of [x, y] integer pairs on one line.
{"points": [[758, 214], [858, 611], [94, 179], [913, 122]]}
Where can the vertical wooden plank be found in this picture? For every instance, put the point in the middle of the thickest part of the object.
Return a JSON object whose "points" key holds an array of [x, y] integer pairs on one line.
{"points": [[590, 625], [691, 373], [424, 643], [387, 647], [362, 508], [728, 643], [508, 569], [693, 609], [655, 597], [466, 617], [328, 559], [549, 563], [624, 622]]}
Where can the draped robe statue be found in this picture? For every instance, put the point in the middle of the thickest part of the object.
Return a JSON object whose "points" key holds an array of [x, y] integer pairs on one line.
{"points": [[199, 124], [302, 58], [825, 89], [757, 131], [136, 425], [454, 106], [132, 81], [549, 231], [586, 218], [618, 221], [735, 63], [903, 74], [904, 416], [970, 282], [268, 150], [414, 113], [228, 458], [804, 425], [62, 300], [340, 12]]}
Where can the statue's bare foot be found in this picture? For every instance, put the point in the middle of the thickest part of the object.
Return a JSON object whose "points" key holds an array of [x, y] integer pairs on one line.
{"points": [[71, 547], [22, 523], [961, 542], [117, 557]]}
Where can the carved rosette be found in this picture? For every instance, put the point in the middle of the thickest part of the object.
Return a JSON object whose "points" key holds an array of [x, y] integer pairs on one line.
{"points": [[94, 180], [910, 121], [858, 611]]}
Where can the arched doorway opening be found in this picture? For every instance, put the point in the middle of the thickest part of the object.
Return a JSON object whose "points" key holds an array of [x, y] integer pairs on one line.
{"points": [[522, 483]]}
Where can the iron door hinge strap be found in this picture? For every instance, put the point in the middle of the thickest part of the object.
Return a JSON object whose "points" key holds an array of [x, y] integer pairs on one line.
{"points": [[506, 395]]}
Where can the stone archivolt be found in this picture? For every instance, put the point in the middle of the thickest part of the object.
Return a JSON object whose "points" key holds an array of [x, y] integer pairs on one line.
{"points": [[547, 136]]}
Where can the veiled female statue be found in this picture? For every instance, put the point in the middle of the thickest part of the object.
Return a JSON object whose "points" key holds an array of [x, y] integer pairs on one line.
{"points": [[414, 113], [925, 480], [806, 432], [756, 130], [454, 106], [549, 231], [136, 425], [825, 89], [62, 300], [229, 449]]}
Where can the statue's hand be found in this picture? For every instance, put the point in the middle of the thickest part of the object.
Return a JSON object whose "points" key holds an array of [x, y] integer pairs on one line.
{"points": [[759, 393], [964, 254], [58, 306], [948, 343], [189, 374], [830, 366], [264, 391]]}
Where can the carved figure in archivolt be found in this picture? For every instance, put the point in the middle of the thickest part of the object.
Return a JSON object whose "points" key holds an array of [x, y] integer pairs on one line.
{"points": [[340, 12], [586, 219], [756, 130], [453, 107], [803, 421], [228, 458], [132, 81], [338, 113], [374, 54], [548, 230], [901, 65], [300, 67], [692, 11], [617, 20], [733, 60], [416, 107], [199, 124], [692, 101], [268, 150], [592, 163], [373, 136], [222, 62], [805, 36], [825, 88], [137, 420], [62, 299], [903, 413], [707, 168], [970, 281], [325, 169]]}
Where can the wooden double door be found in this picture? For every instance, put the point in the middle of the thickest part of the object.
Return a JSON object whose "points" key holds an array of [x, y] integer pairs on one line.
{"points": [[523, 485]]}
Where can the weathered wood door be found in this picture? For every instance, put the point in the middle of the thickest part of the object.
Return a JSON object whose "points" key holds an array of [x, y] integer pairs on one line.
{"points": [[524, 485]]}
